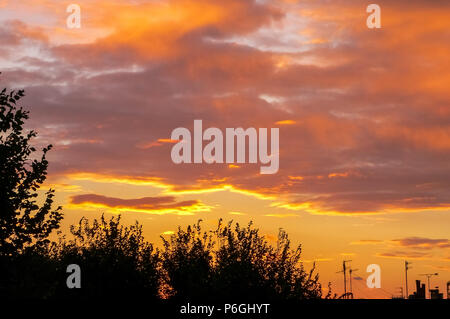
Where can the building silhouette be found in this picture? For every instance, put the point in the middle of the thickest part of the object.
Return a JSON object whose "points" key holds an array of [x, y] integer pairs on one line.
{"points": [[420, 291], [435, 294]]}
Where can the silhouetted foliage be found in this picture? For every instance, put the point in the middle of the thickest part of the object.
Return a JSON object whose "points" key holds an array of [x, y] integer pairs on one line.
{"points": [[229, 263], [24, 224], [22, 221], [115, 260], [187, 264], [235, 262], [29, 275]]}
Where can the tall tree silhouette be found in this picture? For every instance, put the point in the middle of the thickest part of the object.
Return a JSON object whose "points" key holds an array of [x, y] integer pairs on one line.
{"points": [[23, 222]]}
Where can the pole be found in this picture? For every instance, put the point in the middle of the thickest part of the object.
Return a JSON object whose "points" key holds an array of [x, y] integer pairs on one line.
{"points": [[344, 270], [406, 278], [345, 280], [351, 287], [351, 275]]}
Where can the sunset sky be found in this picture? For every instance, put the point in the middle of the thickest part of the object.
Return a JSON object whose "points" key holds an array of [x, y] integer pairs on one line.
{"points": [[364, 119]]}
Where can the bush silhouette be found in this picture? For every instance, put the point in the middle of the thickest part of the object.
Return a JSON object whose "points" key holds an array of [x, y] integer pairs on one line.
{"points": [[231, 263], [234, 262], [116, 261]]}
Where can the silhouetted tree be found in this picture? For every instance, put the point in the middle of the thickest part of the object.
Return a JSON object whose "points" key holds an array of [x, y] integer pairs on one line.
{"points": [[237, 263], [248, 267], [23, 222], [187, 264], [115, 261]]}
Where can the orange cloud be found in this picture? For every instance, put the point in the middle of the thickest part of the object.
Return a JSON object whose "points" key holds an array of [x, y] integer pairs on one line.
{"points": [[153, 30], [237, 213], [158, 142], [285, 122], [422, 243], [404, 255], [152, 205]]}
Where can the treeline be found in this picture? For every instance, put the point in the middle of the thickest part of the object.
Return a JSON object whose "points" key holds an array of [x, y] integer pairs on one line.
{"points": [[228, 263], [231, 262]]}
